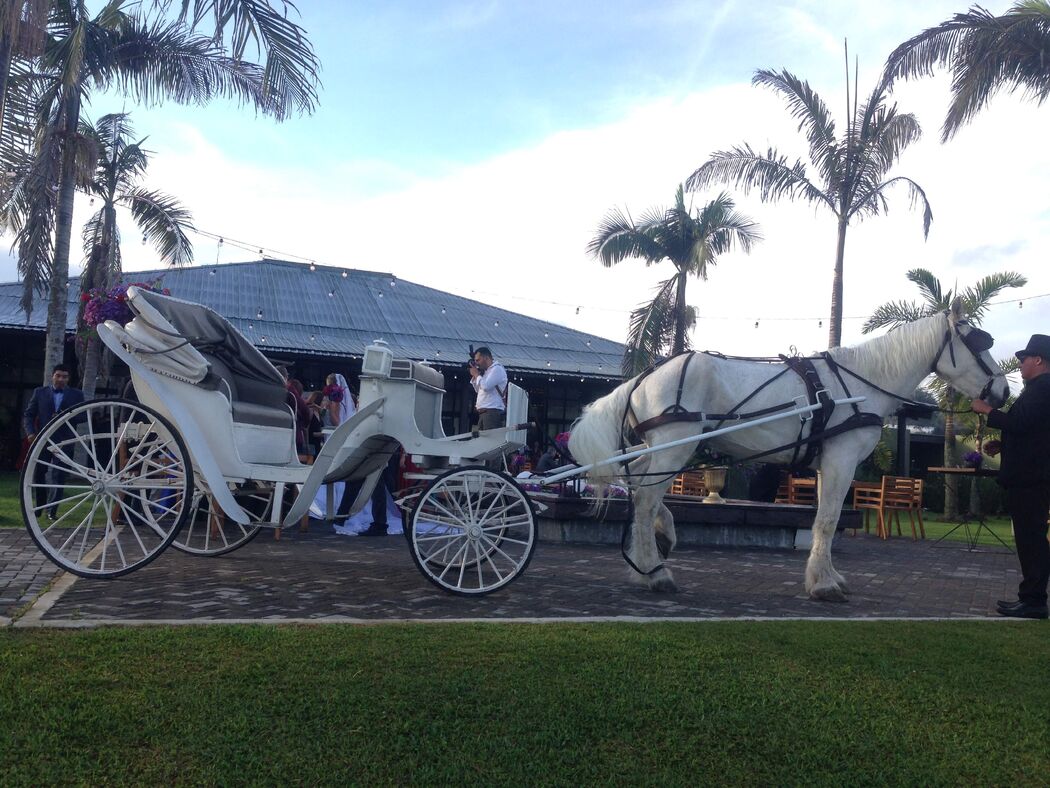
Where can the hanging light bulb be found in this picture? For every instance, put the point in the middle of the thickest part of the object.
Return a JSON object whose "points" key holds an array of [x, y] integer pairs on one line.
{"points": [[820, 324], [588, 343], [548, 363], [442, 310], [311, 337], [577, 310], [331, 293], [756, 324], [344, 274], [393, 282], [1020, 304], [212, 272], [91, 201], [313, 267], [220, 242], [496, 324], [258, 315], [143, 240], [261, 253], [251, 327], [264, 340]]}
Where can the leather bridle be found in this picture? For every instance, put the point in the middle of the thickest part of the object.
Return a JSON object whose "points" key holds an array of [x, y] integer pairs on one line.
{"points": [[976, 341]]}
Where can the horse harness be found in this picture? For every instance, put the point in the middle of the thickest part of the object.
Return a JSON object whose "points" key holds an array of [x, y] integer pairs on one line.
{"points": [[808, 446], [977, 341]]}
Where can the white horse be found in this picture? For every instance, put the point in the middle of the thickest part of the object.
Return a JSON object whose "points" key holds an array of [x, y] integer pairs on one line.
{"points": [[896, 363]]}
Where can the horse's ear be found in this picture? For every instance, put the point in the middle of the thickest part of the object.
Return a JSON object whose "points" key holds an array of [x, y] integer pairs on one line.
{"points": [[957, 312]]}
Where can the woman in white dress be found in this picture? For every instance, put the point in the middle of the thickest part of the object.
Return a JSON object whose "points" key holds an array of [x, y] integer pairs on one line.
{"points": [[336, 407]]}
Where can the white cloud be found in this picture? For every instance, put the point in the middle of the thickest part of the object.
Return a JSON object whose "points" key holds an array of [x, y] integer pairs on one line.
{"points": [[512, 230]]}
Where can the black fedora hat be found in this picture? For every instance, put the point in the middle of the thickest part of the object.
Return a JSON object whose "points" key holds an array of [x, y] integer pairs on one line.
{"points": [[1038, 345]]}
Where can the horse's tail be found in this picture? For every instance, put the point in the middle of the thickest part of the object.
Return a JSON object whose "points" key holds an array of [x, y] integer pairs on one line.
{"points": [[598, 433]]}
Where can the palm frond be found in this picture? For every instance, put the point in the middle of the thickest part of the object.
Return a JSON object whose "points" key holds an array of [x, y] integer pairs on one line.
{"points": [[813, 117], [651, 328], [930, 286], [291, 68], [894, 314], [158, 61], [978, 297], [874, 202], [984, 53], [618, 238], [770, 174], [163, 221]]}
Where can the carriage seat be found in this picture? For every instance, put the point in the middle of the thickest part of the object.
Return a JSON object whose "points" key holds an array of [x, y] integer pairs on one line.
{"points": [[403, 369], [251, 401], [254, 387]]}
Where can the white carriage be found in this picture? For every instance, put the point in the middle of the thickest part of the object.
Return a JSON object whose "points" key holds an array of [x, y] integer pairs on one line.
{"points": [[206, 458]]}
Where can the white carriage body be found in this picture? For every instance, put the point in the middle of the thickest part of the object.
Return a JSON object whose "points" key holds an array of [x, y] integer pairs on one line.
{"points": [[229, 404]]}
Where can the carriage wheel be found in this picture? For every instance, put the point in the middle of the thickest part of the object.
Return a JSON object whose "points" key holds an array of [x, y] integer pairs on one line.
{"points": [[472, 531], [209, 532], [105, 488]]}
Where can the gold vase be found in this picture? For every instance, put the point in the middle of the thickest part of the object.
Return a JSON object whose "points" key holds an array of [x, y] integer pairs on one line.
{"points": [[714, 481]]}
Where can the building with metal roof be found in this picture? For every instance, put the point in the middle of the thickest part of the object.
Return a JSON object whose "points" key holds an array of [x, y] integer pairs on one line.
{"points": [[319, 319]]}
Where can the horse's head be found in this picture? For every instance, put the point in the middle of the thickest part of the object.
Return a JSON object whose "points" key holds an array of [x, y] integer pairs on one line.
{"points": [[965, 362]]}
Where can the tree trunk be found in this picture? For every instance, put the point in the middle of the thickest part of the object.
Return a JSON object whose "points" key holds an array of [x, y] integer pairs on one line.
{"points": [[679, 319], [59, 287], [92, 354], [951, 481], [6, 48], [835, 329]]}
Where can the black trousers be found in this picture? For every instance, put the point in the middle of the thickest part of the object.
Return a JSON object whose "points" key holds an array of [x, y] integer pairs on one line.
{"points": [[388, 481], [45, 495], [1028, 507]]}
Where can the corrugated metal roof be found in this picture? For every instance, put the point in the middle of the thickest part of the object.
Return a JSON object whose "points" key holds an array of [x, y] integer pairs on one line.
{"points": [[284, 306]]}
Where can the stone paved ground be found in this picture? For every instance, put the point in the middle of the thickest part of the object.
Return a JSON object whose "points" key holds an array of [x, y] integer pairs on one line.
{"points": [[320, 574], [24, 570]]}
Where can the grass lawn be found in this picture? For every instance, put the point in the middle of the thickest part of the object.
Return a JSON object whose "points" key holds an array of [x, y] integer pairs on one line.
{"points": [[10, 510], [755, 703]]}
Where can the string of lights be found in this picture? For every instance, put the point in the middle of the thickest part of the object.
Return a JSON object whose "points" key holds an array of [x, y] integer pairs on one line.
{"points": [[265, 251]]}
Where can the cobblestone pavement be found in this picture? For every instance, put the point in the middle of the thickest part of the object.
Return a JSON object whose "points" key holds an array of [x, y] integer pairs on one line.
{"points": [[320, 574], [24, 571]]}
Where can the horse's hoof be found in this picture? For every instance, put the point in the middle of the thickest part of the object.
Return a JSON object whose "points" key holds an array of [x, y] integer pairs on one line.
{"points": [[828, 594], [663, 583], [663, 544]]}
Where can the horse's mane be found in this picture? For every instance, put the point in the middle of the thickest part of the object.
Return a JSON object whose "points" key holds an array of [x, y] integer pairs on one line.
{"points": [[893, 354]]}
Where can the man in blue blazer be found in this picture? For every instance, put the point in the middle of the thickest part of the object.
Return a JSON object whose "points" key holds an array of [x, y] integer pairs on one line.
{"points": [[43, 405]]}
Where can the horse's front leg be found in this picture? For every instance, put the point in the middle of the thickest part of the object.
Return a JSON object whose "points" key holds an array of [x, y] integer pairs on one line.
{"points": [[666, 538], [644, 552], [823, 582]]}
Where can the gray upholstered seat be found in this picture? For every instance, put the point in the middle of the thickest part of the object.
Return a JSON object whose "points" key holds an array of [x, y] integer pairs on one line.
{"points": [[236, 367]]}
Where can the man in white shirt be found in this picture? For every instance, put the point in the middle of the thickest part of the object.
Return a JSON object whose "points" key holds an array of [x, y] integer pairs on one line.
{"points": [[489, 379]]}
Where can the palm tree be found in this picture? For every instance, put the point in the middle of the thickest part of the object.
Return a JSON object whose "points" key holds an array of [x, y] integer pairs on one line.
{"points": [[692, 242], [161, 219], [290, 67], [149, 60], [935, 298], [984, 53], [849, 172]]}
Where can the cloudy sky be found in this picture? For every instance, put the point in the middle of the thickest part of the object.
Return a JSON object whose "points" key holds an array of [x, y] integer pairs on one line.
{"points": [[475, 147]]}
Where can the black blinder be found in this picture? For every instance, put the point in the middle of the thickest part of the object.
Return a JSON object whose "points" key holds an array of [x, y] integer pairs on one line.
{"points": [[978, 341]]}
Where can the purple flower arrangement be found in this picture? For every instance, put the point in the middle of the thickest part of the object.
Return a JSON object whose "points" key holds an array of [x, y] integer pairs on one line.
{"points": [[973, 459], [101, 305]]}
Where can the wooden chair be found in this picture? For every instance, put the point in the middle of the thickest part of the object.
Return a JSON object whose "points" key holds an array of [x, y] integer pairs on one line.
{"points": [[802, 492], [902, 493], [798, 491], [689, 483], [867, 496], [888, 499]]}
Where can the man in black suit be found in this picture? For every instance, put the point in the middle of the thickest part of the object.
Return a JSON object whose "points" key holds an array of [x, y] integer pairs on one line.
{"points": [[1024, 473], [43, 405]]}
